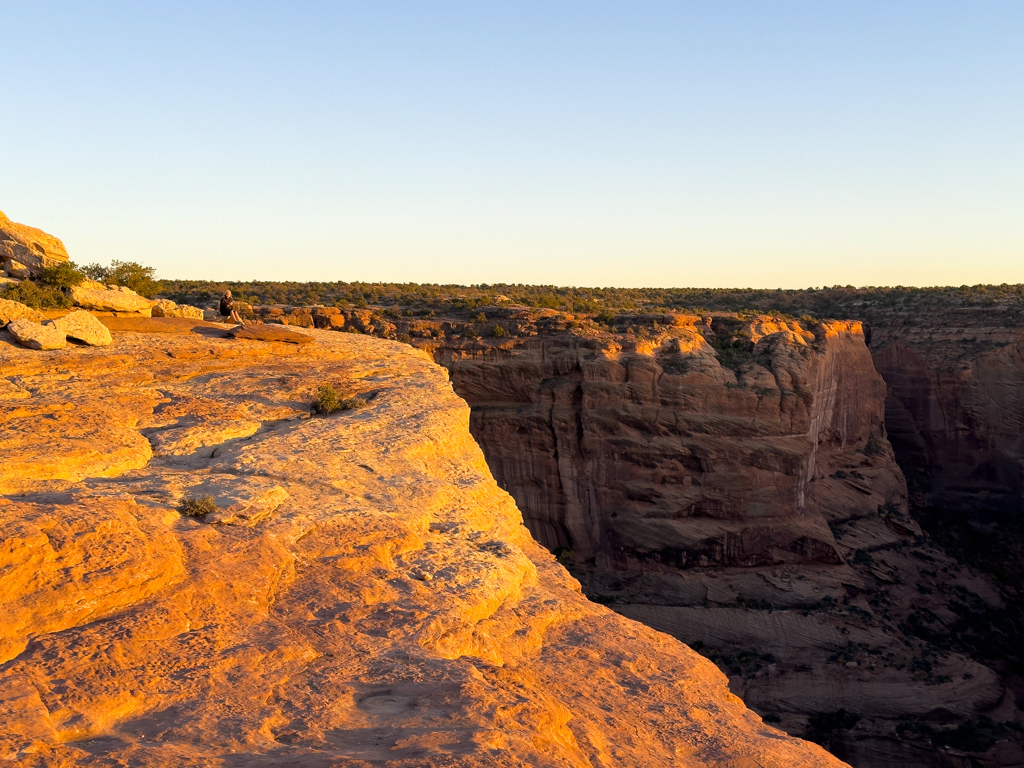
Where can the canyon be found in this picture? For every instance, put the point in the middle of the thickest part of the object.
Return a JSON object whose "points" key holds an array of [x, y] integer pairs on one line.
{"points": [[729, 480], [197, 569]]}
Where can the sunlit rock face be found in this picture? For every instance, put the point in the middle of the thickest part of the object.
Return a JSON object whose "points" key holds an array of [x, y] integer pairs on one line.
{"points": [[363, 594], [30, 247]]}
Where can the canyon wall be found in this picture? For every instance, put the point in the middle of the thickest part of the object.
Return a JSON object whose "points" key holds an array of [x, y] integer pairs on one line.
{"points": [[729, 480], [956, 404], [196, 570]]}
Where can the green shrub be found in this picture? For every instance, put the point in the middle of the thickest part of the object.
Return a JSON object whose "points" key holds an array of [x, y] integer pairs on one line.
{"points": [[193, 507], [36, 296], [327, 401], [64, 275], [498, 332], [481, 318], [130, 274]]}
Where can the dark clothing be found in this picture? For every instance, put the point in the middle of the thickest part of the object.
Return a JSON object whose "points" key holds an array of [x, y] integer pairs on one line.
{"points": [[227, 306]]}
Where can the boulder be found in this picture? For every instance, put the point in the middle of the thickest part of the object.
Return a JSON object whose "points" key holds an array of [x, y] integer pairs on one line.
{"points": [[13, 310], [97, 297], [16, 270], [84, 327], [32, 248], [167, 308], [35, 335]]}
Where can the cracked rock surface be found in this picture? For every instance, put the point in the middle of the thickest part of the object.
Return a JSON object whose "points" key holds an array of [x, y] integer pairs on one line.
{"points": [[364, 595]]}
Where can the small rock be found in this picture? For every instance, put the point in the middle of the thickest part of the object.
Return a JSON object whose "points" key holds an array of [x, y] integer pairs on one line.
{"points": [[84, 327], [852, 665], [35, 335]]}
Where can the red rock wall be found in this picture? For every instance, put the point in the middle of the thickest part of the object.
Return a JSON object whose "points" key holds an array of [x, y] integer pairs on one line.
{"points": [[651, 458], [956, 405]]}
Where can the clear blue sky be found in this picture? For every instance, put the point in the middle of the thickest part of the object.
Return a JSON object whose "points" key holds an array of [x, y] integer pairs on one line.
{"points": [[771, 143]]}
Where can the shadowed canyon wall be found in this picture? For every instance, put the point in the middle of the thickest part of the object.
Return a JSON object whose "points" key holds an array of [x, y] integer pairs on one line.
{"points": [[730, 481]]}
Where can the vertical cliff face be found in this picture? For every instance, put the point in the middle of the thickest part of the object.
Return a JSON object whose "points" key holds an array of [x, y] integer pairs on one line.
{"points": [[956, 405], [657, 456], [729, 481]]}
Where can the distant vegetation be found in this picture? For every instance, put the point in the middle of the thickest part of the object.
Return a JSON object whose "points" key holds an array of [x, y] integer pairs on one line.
{"points": [[130, 274], [427, 300], [835, 301]]}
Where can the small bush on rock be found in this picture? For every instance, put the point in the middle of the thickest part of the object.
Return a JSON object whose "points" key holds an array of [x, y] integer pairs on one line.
{"points": [[327, 401], [201, 507]]}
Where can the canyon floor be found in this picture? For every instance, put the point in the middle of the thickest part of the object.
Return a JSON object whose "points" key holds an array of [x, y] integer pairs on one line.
{"points": [[364, 593]]}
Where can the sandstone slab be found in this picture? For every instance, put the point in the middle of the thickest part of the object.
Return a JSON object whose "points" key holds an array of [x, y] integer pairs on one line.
{"points": [[83, 326], [13, 310], [267, 332], [35, 335], [95, 296], [390, 610]]}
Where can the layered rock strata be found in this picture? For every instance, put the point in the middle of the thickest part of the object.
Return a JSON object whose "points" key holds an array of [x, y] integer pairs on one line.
{"points": [[956, 404], [729, 481], [362, 594]]}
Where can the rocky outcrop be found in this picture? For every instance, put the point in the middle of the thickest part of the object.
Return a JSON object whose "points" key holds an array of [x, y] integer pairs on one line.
{"points": [[30, 249], [110, 298], [167, 308], [365, 593]]}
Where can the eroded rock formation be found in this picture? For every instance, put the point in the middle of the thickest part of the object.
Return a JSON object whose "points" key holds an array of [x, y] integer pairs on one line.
{"points": [[365, 594], [26, 250]]}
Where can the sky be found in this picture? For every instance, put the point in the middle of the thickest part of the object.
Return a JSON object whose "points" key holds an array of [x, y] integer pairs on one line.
{"points": [[741, 143]]}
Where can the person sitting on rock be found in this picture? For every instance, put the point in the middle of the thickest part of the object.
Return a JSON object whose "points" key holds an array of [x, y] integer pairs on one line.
{"points": [[227, 309]]}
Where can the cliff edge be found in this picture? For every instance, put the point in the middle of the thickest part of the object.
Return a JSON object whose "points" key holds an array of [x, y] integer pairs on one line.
{"points": [[363, 594]]}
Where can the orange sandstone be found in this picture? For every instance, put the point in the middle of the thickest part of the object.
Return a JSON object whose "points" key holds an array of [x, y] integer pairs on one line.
{"points": [[365, 594]]}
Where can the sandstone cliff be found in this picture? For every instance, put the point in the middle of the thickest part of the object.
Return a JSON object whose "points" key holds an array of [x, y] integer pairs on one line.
{"points": [[27, 248], [729, 481], [365, 594], [956, 405]]}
